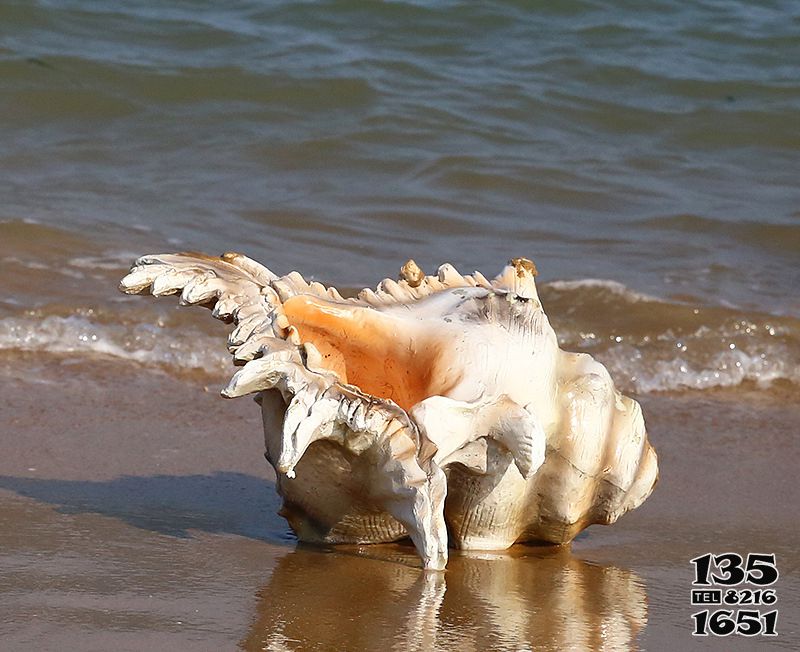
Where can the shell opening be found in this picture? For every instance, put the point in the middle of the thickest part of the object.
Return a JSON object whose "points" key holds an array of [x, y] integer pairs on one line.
{"points": [[375, 352]]}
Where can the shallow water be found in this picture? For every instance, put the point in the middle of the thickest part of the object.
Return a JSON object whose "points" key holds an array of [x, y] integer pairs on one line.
{"points": [[645, 156], [59, 297], [137, 512], [655, 145]]}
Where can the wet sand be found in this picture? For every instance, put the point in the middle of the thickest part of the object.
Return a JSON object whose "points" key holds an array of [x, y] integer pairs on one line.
{"points": [[137, 513]]}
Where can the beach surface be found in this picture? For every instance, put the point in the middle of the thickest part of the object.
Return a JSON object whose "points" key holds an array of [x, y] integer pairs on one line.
{"points": [[137, 512]]}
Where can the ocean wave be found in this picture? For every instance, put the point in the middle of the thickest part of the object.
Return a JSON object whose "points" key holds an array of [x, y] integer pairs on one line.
{"points": [[642, 372], [651, 344], [648, 344], [601, 285], [113, 261], [182, 352]]}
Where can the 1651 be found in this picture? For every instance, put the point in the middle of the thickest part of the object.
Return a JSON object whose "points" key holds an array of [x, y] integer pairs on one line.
{"points": [[725, 622]]}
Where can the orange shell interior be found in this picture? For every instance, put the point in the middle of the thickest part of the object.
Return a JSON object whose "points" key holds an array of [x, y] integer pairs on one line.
{"points": [[383, 355]]}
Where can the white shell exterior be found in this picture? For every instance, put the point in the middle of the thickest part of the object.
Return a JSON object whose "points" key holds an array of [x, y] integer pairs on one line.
{"points": [[432, 403]]}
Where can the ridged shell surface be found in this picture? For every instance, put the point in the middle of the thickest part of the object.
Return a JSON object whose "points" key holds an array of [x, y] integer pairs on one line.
{"points": [[431, 405]]}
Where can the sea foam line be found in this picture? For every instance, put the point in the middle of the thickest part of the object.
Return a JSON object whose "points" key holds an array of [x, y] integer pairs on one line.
{"points": [[142, 343]]}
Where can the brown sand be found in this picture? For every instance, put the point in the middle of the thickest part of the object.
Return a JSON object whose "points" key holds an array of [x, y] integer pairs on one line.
{"points": [[137, 513]]}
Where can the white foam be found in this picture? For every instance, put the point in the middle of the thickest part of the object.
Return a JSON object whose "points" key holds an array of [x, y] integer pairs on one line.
{"points": [[644, 367], [142, 343], [38, 265], [635, 371], [113, 260], [16, 220], [614, 287]]}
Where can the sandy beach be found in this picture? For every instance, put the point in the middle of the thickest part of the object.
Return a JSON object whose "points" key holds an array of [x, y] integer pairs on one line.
{"points": [[125, 528]]}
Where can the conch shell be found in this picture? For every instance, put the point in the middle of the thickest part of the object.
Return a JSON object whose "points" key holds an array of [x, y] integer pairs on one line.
{"points": [[433, 404]]}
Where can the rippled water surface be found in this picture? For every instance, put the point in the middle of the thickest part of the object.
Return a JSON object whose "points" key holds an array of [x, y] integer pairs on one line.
{"points": [[655, 146]]}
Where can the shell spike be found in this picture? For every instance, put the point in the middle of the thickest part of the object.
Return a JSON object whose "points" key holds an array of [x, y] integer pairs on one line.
{"points": [[518, 278]]}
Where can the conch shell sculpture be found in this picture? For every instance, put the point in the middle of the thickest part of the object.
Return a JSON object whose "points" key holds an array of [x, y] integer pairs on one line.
{"points": [[432, 405]]}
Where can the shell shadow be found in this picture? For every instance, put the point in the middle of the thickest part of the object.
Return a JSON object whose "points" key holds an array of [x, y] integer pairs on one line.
{"points": [[221, 502], [541, 598]]}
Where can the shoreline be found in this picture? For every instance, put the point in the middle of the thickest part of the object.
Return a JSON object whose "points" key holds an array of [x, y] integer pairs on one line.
{"points": [[136, 501]]}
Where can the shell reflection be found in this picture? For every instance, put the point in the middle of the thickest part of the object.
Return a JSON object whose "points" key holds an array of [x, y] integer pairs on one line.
{"points": [[518, 600]]}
